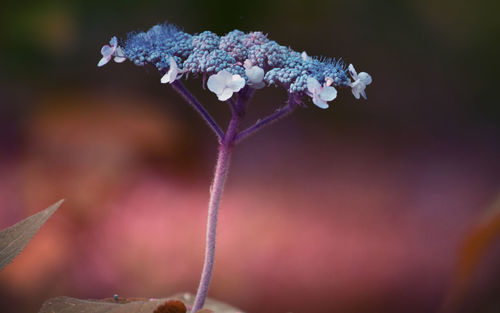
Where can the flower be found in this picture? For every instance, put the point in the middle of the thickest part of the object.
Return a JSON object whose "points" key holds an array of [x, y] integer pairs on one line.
{"points": [[172, 73], [255, 75], [361, 80], [113, 50], [320, 94], [223, 84]]}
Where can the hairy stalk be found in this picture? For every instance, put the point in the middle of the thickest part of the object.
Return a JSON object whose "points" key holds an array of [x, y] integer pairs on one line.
{"points": [[179, 87], [277, 115], [221, 170], [226, 146]]}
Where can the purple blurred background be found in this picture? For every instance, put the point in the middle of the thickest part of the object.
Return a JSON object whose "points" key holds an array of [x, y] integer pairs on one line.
{"points": [[358, 208]]}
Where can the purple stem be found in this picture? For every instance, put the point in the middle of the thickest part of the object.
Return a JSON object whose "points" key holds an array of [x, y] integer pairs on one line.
{"points": [[277, 115], [221, 170], [179, 87], [227, 142]]}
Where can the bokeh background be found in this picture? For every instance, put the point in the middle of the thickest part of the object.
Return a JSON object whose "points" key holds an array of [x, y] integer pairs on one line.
{"points": [[363, 207]]}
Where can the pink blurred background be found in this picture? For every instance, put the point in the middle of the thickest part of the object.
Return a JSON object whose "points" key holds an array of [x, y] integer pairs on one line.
{"points": [[359, 208]]}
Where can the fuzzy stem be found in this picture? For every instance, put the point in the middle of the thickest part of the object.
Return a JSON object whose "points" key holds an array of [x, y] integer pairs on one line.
{"points": [[277, 115], [181, 89], [221, 170]]}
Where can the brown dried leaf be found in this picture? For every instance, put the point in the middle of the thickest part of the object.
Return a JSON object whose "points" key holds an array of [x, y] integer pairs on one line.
{"points": [[72, 305], [205, 311], [211, 305], [174, 304], [14, 238], [474, 247]]}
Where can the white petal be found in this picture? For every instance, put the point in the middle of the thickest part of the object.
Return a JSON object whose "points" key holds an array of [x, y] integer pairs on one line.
{"points": [[226, 94], [328, 81], [320, 103], [119, 52], [173, 72], [107, 50], [313, 85], [304, 56], [358, 88], [255, 75], [352, 71], [259, 74], [119, 59], [225, 76], [237, 82], [328, 93], [363, 94], [173, 64], [170, 77], [113, 42], [165, 79], [216, 83], [103, 61], [356, 92], [119, 55], [247, 63], [365, 78]]}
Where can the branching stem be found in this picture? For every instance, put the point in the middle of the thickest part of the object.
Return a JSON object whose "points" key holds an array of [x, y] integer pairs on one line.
{"points": [[277, 115], [226, 144], [182, 90]]}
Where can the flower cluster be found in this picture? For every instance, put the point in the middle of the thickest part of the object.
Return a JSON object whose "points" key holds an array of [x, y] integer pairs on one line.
{"points": [[235, 60]]}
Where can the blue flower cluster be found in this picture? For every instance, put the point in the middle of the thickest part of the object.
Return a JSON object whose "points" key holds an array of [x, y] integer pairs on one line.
{"points": [[207, 53]]}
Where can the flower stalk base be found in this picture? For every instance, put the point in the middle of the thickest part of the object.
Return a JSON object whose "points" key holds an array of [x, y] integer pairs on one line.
{"points": [[216, 189]]}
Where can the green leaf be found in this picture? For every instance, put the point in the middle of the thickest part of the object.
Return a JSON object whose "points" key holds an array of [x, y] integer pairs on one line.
{"points": [[131, 305], [13, 239]]}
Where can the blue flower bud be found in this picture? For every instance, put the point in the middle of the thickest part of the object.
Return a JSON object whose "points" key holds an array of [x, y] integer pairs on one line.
{"points": [[208, 53]]}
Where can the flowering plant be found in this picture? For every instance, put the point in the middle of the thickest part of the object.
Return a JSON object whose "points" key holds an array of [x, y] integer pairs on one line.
{"points": [[233, 67]]}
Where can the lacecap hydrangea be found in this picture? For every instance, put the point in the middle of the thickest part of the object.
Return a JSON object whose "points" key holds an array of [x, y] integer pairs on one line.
{"points": [[236, 60]]}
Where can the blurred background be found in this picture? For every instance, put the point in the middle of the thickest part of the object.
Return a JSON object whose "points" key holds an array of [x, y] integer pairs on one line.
{"points": [[384, 205]]}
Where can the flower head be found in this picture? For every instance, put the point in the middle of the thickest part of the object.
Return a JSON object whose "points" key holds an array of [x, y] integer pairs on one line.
{"points": [[235, 59], [320, 94], [361, 80], [172, 73], [113, 50], [224, 84]]}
